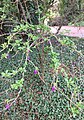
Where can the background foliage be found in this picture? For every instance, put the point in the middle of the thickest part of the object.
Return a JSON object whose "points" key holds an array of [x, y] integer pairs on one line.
{"points": [[32, 61]]}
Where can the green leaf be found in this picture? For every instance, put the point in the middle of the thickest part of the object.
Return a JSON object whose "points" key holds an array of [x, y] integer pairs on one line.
{"points": [[4, 55], [14, 72], [19, 83], [14, 86]]}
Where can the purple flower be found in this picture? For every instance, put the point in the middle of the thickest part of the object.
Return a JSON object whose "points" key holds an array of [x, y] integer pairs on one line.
{"points": [[53, 88], [35, 71], [7, 106], [48, 41], [28, 58], [74, 63], [8, 56]]}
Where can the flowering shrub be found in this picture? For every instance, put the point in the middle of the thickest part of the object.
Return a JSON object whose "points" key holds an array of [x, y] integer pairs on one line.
{"points": [[38, 79], [45, 63]]}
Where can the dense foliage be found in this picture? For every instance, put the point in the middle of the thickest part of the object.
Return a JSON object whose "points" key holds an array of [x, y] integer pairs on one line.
{"points": [[41, 74], [71, 8]]}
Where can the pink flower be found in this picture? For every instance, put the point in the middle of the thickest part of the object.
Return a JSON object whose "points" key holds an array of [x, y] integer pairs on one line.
{"points": [[7, 106], [53, 88], [35, 71]]}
